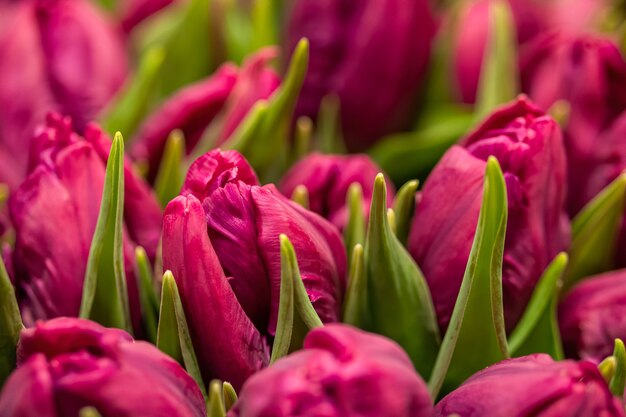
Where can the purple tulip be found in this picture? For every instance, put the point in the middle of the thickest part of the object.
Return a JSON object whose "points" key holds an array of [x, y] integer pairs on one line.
{"points": [[342, 372], [221, 242], [67, 364], [230, 93], [328, 178], [590, 74], [528, 145], [533, 386], [372, 54], [54, 212], [593, 315], [55, 55]]}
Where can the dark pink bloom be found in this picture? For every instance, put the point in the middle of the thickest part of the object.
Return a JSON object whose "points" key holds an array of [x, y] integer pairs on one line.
{"points": [[328, 178], [221, 241], [342, 372], [590, 74], [229, 93], [372, 54], [66, 364], [593, 315], [55, 55], [54, 212], [533, 386], [528, 145]]}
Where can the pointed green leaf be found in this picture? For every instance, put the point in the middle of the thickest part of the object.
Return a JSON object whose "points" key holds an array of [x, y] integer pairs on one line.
{"points": [[607, 368], [147, 296], [354, 233], [538, 329], [170, 176], [89, 412], [498, 76], [215, 403], [355, 305], [264, 24], [133, 104], [300, 195], [10, 325], [477, 323], [400, 306], [173, 337], [230, 396], [404, 207], [105, 297], [560, 112], [618, 382], [594, 233], [303, 137], [329, 126], [296, 314]]}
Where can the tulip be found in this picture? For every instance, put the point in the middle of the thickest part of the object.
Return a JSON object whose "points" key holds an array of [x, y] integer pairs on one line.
{"points": [[590, 74], [592, 315], [226, 225], [533, 386], [67, 364], [230, 93], [528, 145], [372, 54], [60, 55], [327, 178], [54, 212], [343, 372]]}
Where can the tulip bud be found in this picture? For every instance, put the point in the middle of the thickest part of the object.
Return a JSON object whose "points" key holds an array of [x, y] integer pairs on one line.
{"points": [[533, 386], [54, 212], [228, 94], [590, 74], [528, 145], [226, 225], [327, 179], [68, 364], [343, 372], [60, 55], [592, 315], [371, 54]]}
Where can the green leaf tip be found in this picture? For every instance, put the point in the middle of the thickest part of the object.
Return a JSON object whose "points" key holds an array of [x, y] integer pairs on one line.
{"points": [[404, 208], [10, 325], [607, 368], [215, 403], [618, 382], [300, 195], [230, 395]]}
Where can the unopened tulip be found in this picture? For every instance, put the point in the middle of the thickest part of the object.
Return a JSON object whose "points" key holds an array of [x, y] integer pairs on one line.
{"points": [[221, 242], [533, 386], [589, 73], [529, 148], [593, 315], [327, 179], [229, 93], [342, 372], [372, 54], [65, 365], [54, 212], [55, 55]]}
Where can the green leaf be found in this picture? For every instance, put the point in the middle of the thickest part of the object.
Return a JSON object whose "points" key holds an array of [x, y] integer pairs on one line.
{"points": [[303, 137], [477, 323], [173, 337], [404, 207], [296, 314], [133, 104], [329, 131], [215, 404], [264, 24], [300, 195], [89, 412], [594, 233], [230, 396], [170, 176], [607, 368], [263, 136], [354, 233], [538, 329], [400, 306], [499, 78], [147, 295], [237, 31], [10, 325], [355, 305], [619, 377], [105, 297]]}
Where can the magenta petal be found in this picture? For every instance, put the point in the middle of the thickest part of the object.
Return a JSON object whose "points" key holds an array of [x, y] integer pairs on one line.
{"points": [[29, 391], [228, 345]]}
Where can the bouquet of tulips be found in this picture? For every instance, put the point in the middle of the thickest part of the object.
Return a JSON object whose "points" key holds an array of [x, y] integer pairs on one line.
{"points": [[312, 208]]}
